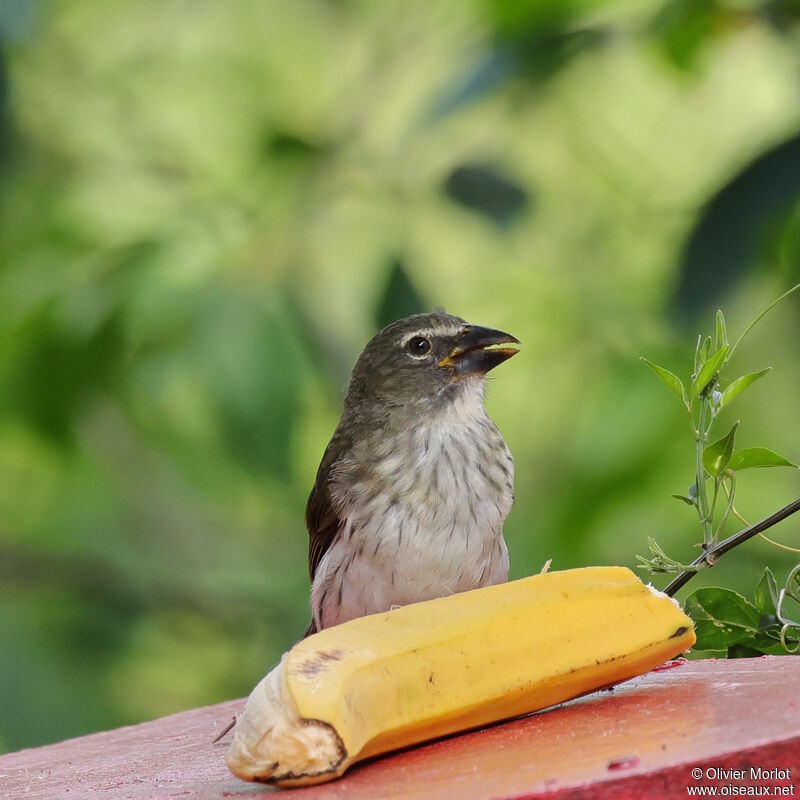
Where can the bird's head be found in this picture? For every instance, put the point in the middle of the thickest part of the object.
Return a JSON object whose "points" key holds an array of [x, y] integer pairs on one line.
{"points": [[426, 359]]}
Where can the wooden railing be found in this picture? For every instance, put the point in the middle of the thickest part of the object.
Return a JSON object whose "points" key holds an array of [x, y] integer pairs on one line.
{"points": [[724, 724]]}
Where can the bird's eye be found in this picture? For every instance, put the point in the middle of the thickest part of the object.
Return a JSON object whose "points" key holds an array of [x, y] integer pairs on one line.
{"points": [[418, 346]]}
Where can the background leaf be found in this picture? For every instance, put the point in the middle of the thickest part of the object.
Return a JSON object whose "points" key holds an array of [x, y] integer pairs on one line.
{"points": [[753, 205], [483, 189]]}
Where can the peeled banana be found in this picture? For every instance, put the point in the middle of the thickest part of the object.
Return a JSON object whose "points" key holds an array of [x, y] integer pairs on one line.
{"points": [[390, 680]]}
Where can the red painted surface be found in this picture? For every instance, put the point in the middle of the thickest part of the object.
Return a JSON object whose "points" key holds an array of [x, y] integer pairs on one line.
{"points": [[679, 662], [640, 741]]}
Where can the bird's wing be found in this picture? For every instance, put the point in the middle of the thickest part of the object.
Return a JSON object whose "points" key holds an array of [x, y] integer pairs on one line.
{"points": [[323, 524], [322, 520]]}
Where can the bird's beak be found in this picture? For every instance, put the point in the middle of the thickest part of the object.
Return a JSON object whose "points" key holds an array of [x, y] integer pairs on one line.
{"points": [[475, 352]]}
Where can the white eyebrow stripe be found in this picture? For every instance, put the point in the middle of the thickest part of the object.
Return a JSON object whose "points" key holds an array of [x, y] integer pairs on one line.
{"points": [[428, 332]]}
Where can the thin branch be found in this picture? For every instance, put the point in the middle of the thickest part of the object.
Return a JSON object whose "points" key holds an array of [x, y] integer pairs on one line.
{"points": [[713, 554], [758, 319]]}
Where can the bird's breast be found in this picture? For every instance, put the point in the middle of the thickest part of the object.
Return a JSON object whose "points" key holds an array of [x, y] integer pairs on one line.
{"points": [[423, 516]]}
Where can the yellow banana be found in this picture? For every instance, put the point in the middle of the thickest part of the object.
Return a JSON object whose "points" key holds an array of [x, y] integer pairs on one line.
{"points": [[430, 669]]}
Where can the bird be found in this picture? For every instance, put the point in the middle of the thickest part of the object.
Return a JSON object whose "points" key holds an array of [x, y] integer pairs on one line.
{"points": [[416, 482]]}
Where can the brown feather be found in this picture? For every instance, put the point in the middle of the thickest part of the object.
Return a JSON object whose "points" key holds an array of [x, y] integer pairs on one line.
{"points": [[322, 520]]}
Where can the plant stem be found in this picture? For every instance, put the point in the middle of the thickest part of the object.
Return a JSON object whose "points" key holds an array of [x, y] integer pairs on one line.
{"points": [[713, 511], [713, 554], [718, 532], [701, 439]]}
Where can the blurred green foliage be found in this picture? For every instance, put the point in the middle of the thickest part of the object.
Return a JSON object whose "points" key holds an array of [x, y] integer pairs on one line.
{"points": [[206, 209]]}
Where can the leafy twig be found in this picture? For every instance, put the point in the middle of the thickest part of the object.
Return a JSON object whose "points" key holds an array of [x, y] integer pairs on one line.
{"points": [[716, 461], [713, 554]]}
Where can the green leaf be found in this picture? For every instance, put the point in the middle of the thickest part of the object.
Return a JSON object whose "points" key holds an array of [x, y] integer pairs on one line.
{"points": [[725, 621], [750, 457], [717, 455], [709, 370], [705, 349], [740, 384], [687, 500], [722, 618], [760, 645], [670, 380], [722, 331], [697, 353], [766, 596]]}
